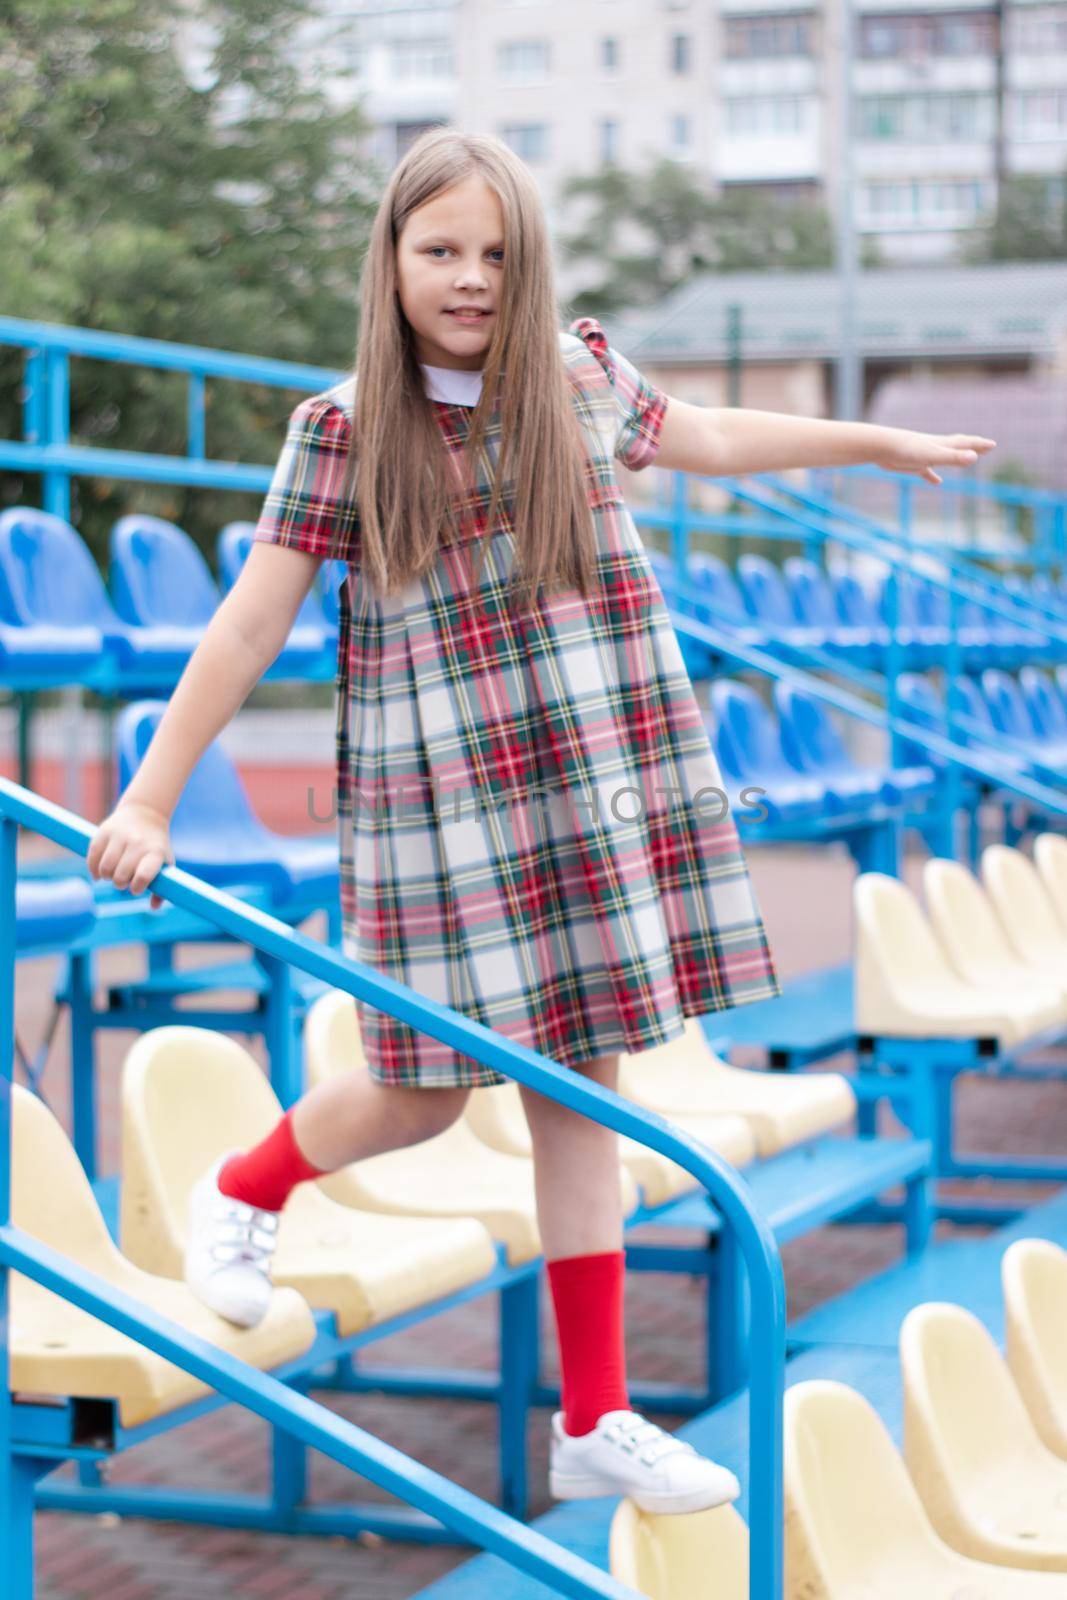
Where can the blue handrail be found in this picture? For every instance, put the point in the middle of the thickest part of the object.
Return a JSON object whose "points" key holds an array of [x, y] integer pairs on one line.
{"points": [[267, 1396]]}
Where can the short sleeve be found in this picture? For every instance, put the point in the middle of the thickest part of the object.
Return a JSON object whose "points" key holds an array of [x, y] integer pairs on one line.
{"points": [[304, 508], [640, 407]]}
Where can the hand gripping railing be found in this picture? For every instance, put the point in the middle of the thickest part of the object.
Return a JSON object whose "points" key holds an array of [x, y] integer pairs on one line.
{"points": [[314, 1425]]}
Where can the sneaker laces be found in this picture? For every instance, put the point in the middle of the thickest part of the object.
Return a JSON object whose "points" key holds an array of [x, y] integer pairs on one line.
{"points": [[242, 1233], [632, 1435]]}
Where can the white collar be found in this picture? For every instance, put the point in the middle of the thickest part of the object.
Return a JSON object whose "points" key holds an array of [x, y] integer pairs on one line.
{"points": [[452, 385]]}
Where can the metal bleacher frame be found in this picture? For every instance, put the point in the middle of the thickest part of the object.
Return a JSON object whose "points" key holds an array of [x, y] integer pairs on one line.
{"points": [[36, 1437], [747, 1218]]}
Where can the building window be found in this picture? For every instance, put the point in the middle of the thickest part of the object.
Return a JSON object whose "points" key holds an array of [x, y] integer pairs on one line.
{"points": [[609, 141], [524, 60], [927, 203], [923, 35], [680, 133], [350, 56], [1038, 30], [528, 139], [1039, 113], [756, 38], [681, 52], [766, 116], [421, 58], [609, 55], [922, 118]]}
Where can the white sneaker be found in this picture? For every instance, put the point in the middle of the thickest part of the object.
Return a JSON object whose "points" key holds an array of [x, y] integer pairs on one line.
{"points": [[625, 1454], [228, 1251]]}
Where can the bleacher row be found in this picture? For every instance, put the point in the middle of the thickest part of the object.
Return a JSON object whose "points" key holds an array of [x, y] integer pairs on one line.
{"points": [[61, 624], [973, 1507], [799, 606], [973, 1504], [404, 1233]]}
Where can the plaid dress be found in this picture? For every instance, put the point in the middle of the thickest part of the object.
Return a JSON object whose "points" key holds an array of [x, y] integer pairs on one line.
{"points": [[528, 809]]}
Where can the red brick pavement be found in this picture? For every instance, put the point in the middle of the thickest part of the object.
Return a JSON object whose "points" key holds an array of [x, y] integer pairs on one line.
{"points": [[806, 901]]}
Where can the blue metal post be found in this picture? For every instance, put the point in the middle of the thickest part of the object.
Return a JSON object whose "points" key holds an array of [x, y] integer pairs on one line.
{"points": [[57, 430], [950, 795], [519, 1319], [82, 1060], [680, 523], [16, 1479], [279, 1032], [195, 417]]}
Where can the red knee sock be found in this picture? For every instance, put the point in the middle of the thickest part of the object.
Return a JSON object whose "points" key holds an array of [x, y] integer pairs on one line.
{"points": [[587, 1292], [265, 1175]]}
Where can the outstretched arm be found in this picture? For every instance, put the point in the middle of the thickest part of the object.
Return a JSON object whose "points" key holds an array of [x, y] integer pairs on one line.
{"points": [[727, 441]]}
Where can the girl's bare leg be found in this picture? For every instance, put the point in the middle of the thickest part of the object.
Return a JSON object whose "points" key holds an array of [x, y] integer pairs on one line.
{"points": [[576, 1164], [353, 1116]]}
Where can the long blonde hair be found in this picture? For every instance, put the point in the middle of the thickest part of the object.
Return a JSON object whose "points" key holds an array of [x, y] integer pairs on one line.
{"points": [[398, 462]]}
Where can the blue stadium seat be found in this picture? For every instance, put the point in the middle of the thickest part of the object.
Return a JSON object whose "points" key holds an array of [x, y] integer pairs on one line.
{"points": [[767, 601], [311, 640], [160, 582], [922, 639], [922, 704], [50, 912], [662, 565], [713, 576], [749, 750], [933, 605], [1010, 711], [1011, 641], [812, 742], [52, 582], [331, 576], [814, 605], [920, 647], [856, 608], [700, 661], [57, 625], [214, 831], [1047, 709]]}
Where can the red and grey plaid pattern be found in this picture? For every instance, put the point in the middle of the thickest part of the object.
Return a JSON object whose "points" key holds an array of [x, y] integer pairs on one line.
{"points": [[529, 821]]}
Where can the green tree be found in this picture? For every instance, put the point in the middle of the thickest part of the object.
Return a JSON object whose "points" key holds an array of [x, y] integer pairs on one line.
{"points": [[648, 232], [1028, 223], [231, 212]]}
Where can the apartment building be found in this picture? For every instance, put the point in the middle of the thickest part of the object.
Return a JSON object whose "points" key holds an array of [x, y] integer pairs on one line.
{"points": [[947, 96], [397, 56]]}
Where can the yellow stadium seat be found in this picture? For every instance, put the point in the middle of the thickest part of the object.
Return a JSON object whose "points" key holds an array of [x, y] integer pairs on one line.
{"points": [[1034, 1277], [855, 1528], [906, 988], [1050, 859], [451, 1175], [684, 1078], [991, 1489], [59, 1350], [499, 1120], [191, 1094], [974, 937], [1025, 908], [678, 1557]]}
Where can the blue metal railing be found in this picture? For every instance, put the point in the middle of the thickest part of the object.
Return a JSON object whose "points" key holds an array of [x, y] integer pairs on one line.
{"points": [[284, 1408], [46, 448]]}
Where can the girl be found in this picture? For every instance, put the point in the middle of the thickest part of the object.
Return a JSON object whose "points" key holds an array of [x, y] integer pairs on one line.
{"points": [[521, 763]]}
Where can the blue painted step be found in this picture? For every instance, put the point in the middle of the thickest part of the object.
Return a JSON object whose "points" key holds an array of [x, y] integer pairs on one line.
{"points": [[803, 1188], [964, 1271], [811, 1019], [582, 1525]]}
